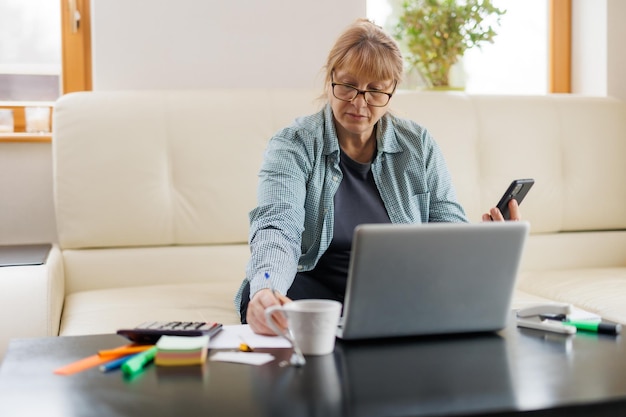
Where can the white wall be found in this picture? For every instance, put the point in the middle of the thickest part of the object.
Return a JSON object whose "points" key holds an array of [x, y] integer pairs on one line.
{"points": [[26, 209], [144, 44], [598, 51], [589, 47]]}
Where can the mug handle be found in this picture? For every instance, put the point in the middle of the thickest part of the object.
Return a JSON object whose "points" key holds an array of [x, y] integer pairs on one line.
{"points": [[270, 322]]}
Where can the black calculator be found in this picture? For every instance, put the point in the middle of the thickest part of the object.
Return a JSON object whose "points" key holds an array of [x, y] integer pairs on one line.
{"points": [[148, 333]]}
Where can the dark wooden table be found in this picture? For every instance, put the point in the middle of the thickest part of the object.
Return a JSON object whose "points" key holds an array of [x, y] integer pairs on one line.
{"points": [[517, 372]]}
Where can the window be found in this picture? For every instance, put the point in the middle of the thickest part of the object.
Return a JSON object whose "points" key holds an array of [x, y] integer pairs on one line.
{"points": [[43, 54], [517, 61], [30, 50], [530, 54]]}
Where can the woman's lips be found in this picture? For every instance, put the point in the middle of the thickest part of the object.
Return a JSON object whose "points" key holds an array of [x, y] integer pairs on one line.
{"points": [[357, 116]]}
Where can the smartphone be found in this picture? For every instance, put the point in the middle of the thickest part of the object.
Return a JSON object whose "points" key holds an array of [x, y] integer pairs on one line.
{"points": [[517, 190]]}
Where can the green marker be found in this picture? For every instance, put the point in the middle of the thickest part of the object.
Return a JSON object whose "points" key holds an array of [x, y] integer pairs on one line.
{"points": [[137, 362], [596, 327]]}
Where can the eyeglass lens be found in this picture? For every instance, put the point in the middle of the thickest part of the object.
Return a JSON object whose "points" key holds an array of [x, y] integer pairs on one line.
{"points": [[349, 93]]}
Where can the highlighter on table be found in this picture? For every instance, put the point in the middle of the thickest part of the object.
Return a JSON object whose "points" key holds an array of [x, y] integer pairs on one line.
{"points": [[116, 363], [124, 350], [586, 326], [596, 327], [137, 362]]}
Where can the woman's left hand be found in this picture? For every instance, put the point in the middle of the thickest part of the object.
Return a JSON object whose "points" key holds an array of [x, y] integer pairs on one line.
{"points": [[495, 215]]}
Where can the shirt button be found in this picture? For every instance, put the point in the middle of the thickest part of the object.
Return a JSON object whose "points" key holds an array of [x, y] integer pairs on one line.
{"points": [[335, 178], [300, 267]]}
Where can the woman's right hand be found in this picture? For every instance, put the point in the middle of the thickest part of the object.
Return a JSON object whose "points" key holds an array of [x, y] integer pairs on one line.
{"points": [[255, 315]]}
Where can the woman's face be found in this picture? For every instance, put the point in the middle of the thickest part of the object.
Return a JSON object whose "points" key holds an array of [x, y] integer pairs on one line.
{"points": [[356, 117]]}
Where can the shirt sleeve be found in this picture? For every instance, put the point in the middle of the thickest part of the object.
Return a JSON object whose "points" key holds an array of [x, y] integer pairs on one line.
{"points": [[277, 223]]}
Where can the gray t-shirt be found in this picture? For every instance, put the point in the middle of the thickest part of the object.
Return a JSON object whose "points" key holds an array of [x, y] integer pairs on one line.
{"points": [[357, 201]]}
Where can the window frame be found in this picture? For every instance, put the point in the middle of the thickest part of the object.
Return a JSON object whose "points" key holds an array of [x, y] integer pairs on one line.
{"points": [[560, 46], [76, 47]]}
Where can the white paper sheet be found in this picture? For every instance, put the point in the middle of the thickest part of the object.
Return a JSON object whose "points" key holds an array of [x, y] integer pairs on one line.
{"points": [[250, 358], [231, 336]]}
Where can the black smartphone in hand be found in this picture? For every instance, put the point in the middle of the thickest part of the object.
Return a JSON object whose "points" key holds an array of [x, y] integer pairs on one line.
{"points": [[517, 190]]}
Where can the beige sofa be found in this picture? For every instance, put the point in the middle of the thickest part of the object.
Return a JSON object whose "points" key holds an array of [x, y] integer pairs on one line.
{"points": [[152, 191]]}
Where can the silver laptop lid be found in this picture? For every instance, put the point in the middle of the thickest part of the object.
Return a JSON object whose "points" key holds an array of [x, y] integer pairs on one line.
{"points": [[433, 278]]}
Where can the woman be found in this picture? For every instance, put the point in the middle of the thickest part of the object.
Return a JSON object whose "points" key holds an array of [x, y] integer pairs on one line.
{"points": [[350, 163]]}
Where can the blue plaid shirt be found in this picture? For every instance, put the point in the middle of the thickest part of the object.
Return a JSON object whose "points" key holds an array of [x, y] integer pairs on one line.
{"points": [[292, 226]]}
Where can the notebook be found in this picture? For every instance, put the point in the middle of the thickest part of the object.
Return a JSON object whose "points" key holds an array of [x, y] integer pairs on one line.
{"points": [[433, 278]]}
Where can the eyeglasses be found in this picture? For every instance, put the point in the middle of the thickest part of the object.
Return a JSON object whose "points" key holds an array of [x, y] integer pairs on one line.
{"points": [[375, 98]]}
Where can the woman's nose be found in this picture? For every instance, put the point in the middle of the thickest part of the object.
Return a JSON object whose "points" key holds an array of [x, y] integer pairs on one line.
{"points": [[359, 100]]}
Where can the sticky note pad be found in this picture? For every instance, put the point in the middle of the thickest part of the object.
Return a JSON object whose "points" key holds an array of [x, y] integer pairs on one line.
{"points": [[181, 350]]}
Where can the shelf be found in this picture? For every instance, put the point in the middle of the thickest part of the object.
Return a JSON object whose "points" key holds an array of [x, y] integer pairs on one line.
{"points": [[18, 137]]}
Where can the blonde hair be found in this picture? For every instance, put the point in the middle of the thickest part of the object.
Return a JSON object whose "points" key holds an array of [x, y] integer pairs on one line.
{"points": [[364, 48]]}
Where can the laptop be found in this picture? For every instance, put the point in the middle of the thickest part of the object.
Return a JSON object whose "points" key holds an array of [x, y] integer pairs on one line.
{"points": [[433, 278]]}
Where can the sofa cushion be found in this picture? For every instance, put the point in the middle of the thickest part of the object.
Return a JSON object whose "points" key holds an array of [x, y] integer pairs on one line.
{"points": [[105, 311], [571, 250], [94, 269]]}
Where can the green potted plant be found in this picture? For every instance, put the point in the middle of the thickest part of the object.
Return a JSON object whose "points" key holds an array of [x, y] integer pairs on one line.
{"points": [[436, 33]]}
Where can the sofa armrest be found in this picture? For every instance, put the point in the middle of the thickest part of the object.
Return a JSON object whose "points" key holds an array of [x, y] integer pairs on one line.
{"points": [[31, 299]]}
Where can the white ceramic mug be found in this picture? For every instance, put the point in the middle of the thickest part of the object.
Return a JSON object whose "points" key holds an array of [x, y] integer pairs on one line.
{"points": [[312, 323]]}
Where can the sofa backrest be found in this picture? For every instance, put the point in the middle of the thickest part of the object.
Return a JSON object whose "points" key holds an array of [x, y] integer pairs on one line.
{"points": [[180, 167], [163, 167], [573, 146]]}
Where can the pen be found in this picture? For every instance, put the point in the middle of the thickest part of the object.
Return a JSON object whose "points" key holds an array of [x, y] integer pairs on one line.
{"points": [[137, 362], [267, 277], [116, 363]]}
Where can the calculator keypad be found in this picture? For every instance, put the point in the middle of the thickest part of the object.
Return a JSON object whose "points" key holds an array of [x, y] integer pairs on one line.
{"points": [[151, 331]]}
